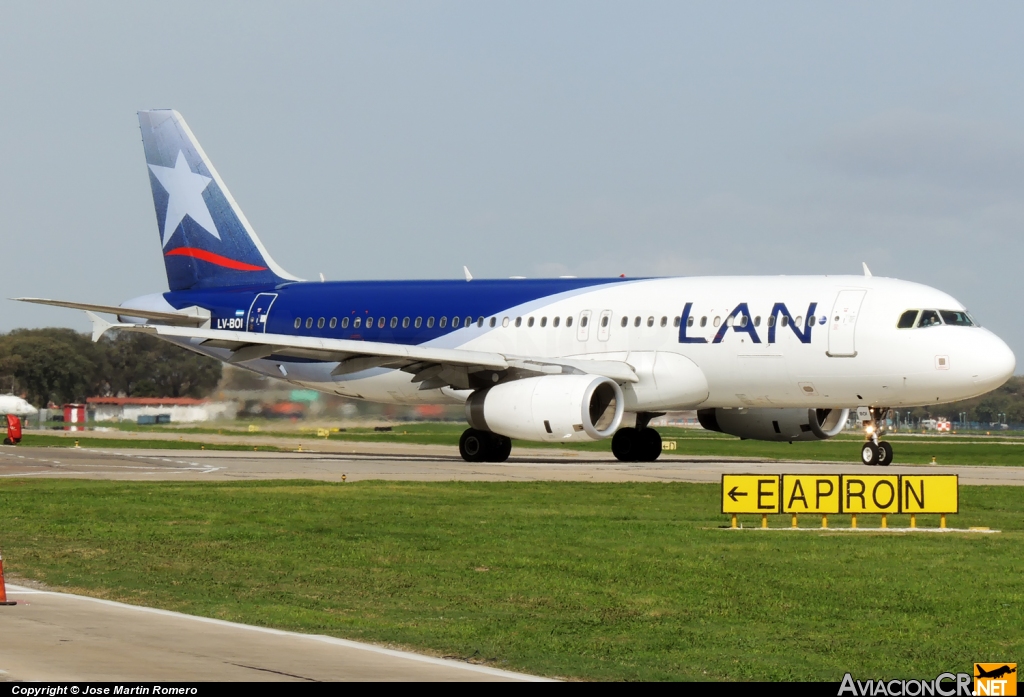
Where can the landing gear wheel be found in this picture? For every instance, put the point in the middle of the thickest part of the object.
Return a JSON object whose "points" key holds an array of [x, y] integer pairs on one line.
{"points": [[650, 445], [474, 445], [8, 441], [625, 444], [500, 448], [869, 454], [884, 453]]}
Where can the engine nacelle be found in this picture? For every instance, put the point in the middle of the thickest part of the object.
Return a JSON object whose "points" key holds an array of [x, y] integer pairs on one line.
{"points": [[554, 408], [775, 424]]}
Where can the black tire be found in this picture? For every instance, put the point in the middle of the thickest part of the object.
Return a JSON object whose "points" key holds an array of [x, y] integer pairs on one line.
{"points": [[884, 453], [650, 445], [8, 441], [500, 448], [625, 444], [869, 454], [474, 445]]}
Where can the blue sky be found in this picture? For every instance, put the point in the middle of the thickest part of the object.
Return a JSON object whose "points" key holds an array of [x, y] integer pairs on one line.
{"points": [[397, 140]]}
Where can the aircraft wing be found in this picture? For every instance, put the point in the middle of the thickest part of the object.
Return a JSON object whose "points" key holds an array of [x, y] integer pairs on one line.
{"points": [[431, 367], [185, 317]]}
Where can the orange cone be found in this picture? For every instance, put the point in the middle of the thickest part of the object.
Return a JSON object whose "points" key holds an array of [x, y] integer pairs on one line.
{"points": [[3, 587]]}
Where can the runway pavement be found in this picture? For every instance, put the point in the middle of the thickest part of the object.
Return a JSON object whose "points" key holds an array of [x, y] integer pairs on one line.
{"points": [[359, 461], [61, 637]]}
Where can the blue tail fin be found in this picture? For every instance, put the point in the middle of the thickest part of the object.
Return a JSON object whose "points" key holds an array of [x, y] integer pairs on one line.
{"points": [[207, 241]]}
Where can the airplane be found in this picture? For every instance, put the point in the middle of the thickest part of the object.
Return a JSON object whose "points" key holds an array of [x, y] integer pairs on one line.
{"points": [[11, 404], [777, 358], [994, 673]]}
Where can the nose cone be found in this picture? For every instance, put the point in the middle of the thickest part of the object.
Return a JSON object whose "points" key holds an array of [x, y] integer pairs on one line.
{"points": [[995, 363]]}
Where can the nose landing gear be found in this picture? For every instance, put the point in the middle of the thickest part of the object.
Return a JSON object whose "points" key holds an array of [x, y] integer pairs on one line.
{"points": [[875, 451]]}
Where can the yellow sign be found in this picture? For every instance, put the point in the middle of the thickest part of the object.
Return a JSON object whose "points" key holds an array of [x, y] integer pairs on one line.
{"points": [[810, 493], [870, 493], [994, 678], [929, 493], [750, 493]]}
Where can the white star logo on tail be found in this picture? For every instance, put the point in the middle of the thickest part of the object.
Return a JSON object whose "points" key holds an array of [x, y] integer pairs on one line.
{"points": [[184, 197]]}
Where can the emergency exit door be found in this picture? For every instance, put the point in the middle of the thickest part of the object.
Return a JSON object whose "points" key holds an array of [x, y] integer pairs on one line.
{"points": [[842, 324]]}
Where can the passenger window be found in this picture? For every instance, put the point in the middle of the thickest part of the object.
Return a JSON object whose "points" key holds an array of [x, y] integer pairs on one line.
{"points": [[636, 322], [442, 322], [811, 321], [956, 318], [369, 322], [334, 322], [405, 323], [418, 323], [799, 321], [298, 322], [455, 322], [357, 322], [543, 321], [929, 318], [785, 321], [703, 321], [430, 322], [689, 321], [320, 323], [650, 321], [568, 321], [718, 320], [757, 321], [555, 321], [493, 321], [907, 319], [380, 323], [504, 321], [469, 321], [664, 321], [625, 321], [583, 320], [519, 321], [344, 322], [394, 322], [529, 322], [604, 321], [676, 321], [309, 323], [771, 321]]}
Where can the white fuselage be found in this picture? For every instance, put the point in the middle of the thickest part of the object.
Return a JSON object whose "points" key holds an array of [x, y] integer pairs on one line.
{"points": [[852, 355]]}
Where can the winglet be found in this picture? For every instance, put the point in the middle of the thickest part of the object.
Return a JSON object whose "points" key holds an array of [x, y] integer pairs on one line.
{"points": [[100, 326], [867, 271], [469, 276]]}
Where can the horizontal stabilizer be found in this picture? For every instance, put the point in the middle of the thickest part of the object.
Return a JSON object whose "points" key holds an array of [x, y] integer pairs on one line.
{"points": [[181, 319]]}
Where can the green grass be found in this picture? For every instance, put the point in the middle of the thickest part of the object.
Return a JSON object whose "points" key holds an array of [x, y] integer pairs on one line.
{"points": [[948, 450], [594, 581], [48, 441]]}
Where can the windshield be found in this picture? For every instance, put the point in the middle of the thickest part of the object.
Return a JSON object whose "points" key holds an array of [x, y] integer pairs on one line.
{"points": [[961, 319]]}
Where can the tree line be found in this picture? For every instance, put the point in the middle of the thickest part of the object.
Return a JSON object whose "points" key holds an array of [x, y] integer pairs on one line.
{"points": [[60, 366]]}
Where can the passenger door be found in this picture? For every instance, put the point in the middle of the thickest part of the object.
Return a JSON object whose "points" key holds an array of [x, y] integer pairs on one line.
{"points": [[258, 312], [842, 324]]}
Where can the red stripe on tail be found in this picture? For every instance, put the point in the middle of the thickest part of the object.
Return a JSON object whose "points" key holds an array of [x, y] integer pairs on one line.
{"points": [[213, 259]]}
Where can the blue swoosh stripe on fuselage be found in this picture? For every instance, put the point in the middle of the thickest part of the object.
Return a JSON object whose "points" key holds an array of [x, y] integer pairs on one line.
{"points": [[478, 298]]}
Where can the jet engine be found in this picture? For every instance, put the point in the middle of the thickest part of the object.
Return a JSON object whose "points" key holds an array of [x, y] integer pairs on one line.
{"points": [[775, 424], [554, 408]]}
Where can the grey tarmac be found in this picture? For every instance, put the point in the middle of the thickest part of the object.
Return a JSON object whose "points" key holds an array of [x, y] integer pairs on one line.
{"points": [[405, 462]]}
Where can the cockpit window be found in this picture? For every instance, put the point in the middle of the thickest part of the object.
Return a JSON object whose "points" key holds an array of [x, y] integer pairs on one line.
{"points": [[956, 317], [929, 318], [907, 319]]}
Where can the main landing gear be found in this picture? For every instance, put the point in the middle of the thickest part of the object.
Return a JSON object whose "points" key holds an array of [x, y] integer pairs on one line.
{"points": [[875, 451], [640, 444], [484, 446]]}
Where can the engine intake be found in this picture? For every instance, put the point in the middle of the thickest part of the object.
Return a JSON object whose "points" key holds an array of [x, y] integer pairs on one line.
{"points": [[552, 408], [775, 424]]}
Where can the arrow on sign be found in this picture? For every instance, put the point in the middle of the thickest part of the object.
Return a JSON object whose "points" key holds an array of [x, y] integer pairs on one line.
{"points": [[733, 493]]}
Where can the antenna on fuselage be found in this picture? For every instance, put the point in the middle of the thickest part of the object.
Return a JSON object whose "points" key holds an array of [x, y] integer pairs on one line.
{"points": [[469, 276], [867, 271]]}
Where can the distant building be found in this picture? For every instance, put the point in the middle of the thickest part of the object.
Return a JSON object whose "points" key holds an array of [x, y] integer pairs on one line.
{"points": [[180, 409]]}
